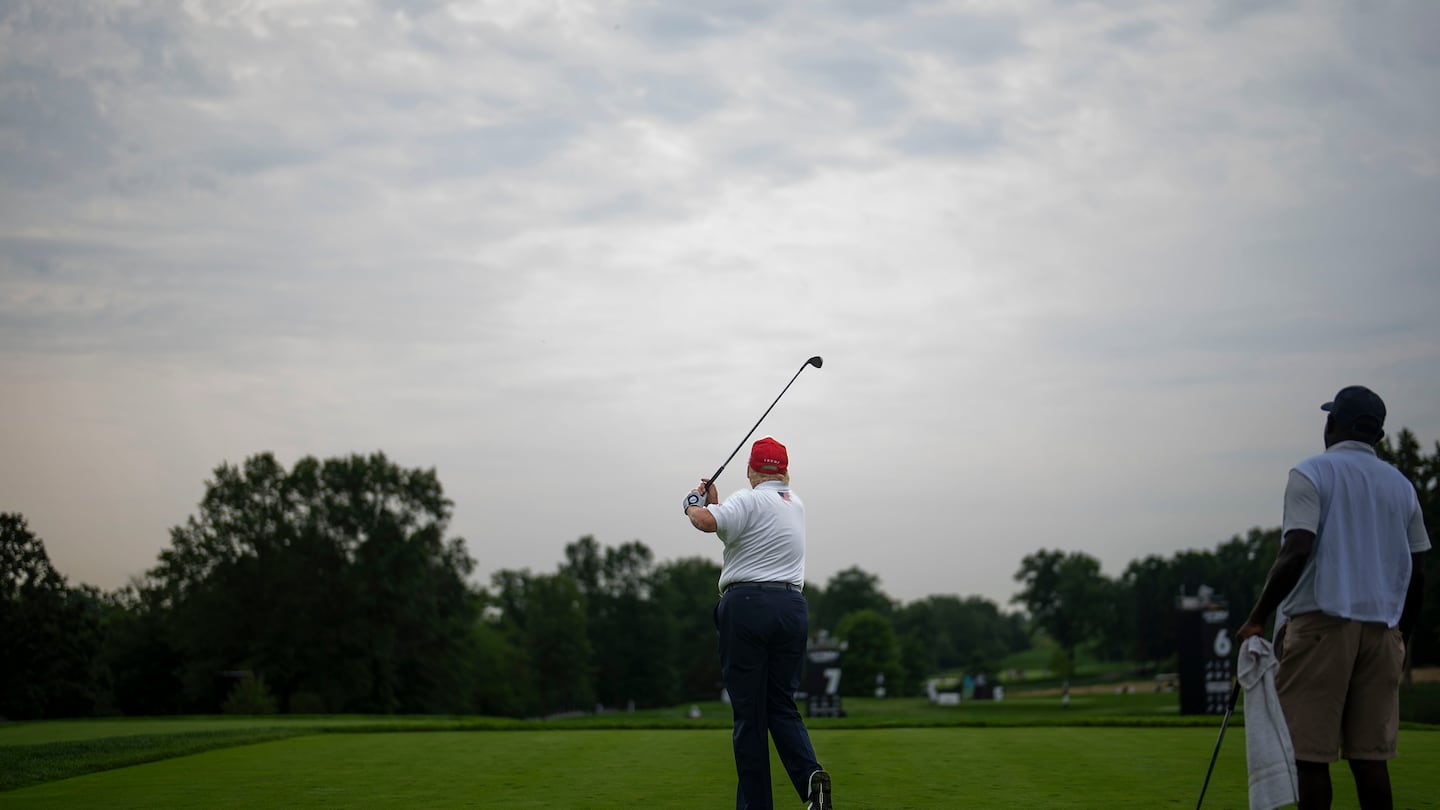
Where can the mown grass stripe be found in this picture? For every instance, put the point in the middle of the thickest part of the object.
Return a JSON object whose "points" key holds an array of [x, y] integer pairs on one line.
{"points": [[25, 765]]}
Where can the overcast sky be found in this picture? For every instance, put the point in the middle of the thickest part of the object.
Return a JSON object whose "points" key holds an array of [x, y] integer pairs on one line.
{"points": [[1081, 272]]}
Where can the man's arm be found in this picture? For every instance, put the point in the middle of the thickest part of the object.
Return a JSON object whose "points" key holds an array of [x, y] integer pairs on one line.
{"points": [[701, 518], [1284, 574], [1414, 596]]}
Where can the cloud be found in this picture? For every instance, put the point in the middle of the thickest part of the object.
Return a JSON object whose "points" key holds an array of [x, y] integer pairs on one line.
{"points": [[52, 126], [1080, 272], [929, 137], [963, 40]]}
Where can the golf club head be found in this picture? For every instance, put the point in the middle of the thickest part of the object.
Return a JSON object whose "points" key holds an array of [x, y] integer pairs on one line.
{"points": [[815, 361]]}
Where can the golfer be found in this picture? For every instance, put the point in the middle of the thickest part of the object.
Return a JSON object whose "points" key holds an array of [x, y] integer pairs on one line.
{"points": [[1348, 583], [763, 623]]}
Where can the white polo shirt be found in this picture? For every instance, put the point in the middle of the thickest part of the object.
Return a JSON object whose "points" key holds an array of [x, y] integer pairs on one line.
{"points": [[1367, 522], [763, 530]]}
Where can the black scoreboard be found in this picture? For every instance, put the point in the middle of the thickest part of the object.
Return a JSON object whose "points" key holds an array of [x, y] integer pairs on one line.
{"points": [[1205, 641], [821, 684]]}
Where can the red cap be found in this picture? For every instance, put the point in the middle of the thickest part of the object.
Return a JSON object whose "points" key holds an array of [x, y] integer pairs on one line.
{"points": [[769, 457]]}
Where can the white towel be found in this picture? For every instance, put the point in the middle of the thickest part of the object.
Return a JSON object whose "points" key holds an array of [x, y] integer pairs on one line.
{"points": [[1268, 752]]}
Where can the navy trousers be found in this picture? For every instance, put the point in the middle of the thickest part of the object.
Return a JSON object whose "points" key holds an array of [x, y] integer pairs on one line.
{"points": [[762, 647]]}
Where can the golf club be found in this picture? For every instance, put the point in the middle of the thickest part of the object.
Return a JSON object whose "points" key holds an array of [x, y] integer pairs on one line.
{"points": [[814, 361], [1229, 709]]}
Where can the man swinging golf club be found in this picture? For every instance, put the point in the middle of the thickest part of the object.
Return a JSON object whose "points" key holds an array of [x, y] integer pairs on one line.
{"points": [[763, 624]]}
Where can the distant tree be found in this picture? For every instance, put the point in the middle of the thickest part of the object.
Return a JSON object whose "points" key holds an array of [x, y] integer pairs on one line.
{"points": [[585, 565], [139, 652], [1193, 569], [1406, 453], [24, 566], [1150, 597], [1146, 601], [1065, 596], [872, 649], [545, 616], [919, 662], [557, 645], [50, 635], [686, 591], [969, 633], [1241, 566], [1061, 664], [629, 638], [250, 695], [926, 645], [850, 591], [507, 612], [1114, 624], [815, 604], [333, 580], [502, 683]]}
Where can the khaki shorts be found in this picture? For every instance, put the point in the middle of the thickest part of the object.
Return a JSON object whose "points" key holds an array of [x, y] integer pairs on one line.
{"points": [[1339, 686]]}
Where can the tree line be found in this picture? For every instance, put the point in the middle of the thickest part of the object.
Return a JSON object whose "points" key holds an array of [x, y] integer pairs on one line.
{"points": [[333, 587], [1130, 617]]}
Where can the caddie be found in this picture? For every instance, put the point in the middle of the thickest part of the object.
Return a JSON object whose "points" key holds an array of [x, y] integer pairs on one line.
{"points": [[1348, 581]]}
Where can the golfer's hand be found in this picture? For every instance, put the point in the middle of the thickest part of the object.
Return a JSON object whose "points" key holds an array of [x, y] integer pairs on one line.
{"points": [[693, 498], [710, 497], [1247, 630]]}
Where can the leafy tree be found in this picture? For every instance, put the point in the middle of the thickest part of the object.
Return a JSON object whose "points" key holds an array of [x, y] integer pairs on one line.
{"points": [[1241, 566], [24, 566], [850, 591], [685, 591], [1065, 596], [1150, 591], [332, 580], [557, 645], [545, 615], [918, 660], [969, 633], [872, 649], [815, 604], [49, 634], [1424, 472], [926, 645], [585, 564], [628, 636], [249, 696], [142, 660], [502, 684], [1235, 570], [1114, 625], [1061, 664]]}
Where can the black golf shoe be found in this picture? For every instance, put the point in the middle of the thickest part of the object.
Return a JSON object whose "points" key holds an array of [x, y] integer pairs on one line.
{"points": [[819, 791]]}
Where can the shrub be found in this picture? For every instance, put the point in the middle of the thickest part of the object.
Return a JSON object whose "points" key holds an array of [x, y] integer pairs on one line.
{"points": [[307, 703], [250, 696], [1420, 703]]}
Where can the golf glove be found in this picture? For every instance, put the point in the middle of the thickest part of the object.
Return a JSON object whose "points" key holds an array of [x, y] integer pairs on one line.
{"points": [[693, 498]]}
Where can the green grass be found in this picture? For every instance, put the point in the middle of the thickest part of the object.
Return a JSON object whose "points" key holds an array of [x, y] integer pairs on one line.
{"points": [[1104, 750], [874, 768], [46, 762], [61, 731], [33, 753], [1033, 664]]}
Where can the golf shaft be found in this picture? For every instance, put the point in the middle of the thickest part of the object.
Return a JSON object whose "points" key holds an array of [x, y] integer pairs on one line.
{"points": [[814, 361], [1229, 709]]}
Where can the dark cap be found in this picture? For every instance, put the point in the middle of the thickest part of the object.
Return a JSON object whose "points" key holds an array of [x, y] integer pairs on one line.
{"points": [[1359, 409]]}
